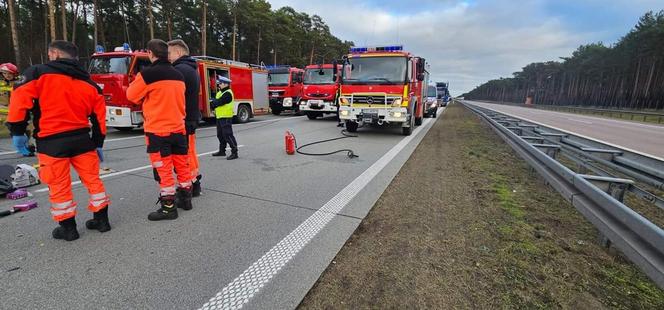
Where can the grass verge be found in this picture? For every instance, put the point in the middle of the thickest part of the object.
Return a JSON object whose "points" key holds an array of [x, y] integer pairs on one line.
{"points": [[467, 224]]}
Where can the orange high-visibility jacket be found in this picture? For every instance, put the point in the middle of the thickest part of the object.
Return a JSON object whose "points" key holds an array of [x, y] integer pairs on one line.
{"points": [[64, 103], [160, 89]]}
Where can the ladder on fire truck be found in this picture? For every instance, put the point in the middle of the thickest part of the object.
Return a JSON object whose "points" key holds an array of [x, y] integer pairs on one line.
{"points": [[229, 62]]}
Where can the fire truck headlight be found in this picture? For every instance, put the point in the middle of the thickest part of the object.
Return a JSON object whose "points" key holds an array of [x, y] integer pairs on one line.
{"points": [[396, 114], [343, 101], [397, 102], [344, 112], [288, 102]]}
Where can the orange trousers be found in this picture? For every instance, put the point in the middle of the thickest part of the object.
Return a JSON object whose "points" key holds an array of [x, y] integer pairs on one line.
{"points": [[56, 173], [193, 157], [168, 153]]}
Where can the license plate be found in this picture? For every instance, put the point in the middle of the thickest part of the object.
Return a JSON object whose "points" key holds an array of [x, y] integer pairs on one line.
{"points": [[275, 94], [316, 102], [370, 111]]}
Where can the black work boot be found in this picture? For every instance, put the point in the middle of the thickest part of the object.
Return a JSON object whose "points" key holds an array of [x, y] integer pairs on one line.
{"points": [[168, 211], [99, 221], [67, 230], [221, 152], [183, 198], [196, 187], [233, 155]]}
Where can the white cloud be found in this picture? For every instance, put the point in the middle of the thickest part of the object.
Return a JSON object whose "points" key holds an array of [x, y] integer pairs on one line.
{"points": [[465, 43]]}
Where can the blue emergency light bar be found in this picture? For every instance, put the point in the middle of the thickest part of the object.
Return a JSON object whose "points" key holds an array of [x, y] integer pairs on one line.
{"points": [[125, 47], [99, 49], [389, 48]]}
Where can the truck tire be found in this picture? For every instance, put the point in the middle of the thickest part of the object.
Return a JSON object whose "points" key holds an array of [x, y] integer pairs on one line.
{"points": [[418, 121], [276, 111], [243, 114], [124, 129], [312, 115], [351, 126]]}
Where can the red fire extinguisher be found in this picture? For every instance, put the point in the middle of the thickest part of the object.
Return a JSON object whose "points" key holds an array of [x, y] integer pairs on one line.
{"points": [[290, 143]]}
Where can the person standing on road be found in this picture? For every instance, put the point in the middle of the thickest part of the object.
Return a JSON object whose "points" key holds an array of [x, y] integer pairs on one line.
{"points": [[10, 79], [67, 106], [223, 105], [178, 55], [161, 90]]}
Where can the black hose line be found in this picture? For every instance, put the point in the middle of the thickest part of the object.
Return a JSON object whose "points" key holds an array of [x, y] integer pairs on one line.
{"points": [[345, 134]]}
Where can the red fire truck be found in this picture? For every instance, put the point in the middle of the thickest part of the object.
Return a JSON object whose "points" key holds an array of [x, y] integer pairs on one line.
{"points": [[285, 87], [113, 71], [321, 84], [382, 85]]}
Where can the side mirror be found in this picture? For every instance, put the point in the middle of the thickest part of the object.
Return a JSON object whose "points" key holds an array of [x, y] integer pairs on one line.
{"points": [[420, 77]]}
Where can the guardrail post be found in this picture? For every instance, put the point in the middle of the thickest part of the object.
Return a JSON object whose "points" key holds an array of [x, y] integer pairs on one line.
{"points": [[613, 186]]}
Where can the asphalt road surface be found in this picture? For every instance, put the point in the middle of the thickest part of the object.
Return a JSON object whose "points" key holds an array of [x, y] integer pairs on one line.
{"points": [[641, 138], [264, 229]]}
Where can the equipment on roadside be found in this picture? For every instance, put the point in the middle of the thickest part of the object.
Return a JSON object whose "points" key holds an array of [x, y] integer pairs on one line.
{"points": [[18, 194], [25, 176], [20, 208], [6, 185], [290, 143]]}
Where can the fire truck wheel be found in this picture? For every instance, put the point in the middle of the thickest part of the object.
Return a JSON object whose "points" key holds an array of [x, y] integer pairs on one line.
{"points": [[243, 114], [312, 115], [418, 121], [276, 111], [124, 129], [351, 126]]}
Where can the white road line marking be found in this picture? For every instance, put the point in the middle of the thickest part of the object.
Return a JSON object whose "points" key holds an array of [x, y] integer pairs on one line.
{"points": [[42, 190], [576, 134], [237, 293], [8, 153]]}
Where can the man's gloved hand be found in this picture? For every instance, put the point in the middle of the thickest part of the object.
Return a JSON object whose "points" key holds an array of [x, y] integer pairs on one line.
{"points": [[100, 153], [190, 127], [21, 145]]}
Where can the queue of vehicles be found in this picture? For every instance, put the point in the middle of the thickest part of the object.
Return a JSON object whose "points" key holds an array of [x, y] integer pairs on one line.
{"points": [[378, 85]]}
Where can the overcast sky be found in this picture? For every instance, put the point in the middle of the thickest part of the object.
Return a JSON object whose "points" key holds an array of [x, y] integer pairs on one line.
{"points": [[469, 42]]}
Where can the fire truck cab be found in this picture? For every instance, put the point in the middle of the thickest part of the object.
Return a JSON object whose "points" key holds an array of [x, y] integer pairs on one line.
{"points": [[114, 71], [321, 84], [382, 85], [285, 88]]}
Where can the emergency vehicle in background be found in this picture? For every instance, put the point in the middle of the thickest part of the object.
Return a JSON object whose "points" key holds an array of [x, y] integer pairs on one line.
{"points": [[285, 88], [114, 71], [319, 93], [443, 93], [382, 85]]}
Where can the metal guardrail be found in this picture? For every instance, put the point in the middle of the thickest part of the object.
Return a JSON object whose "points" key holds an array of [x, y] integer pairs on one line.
{"points": [[598, 197], [643, 116]]}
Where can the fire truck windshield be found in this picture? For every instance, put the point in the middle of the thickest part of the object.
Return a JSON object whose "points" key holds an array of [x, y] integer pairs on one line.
{"points": [[379, 70], [109, 65], [318, 76], [432, 91], [278, 79]]}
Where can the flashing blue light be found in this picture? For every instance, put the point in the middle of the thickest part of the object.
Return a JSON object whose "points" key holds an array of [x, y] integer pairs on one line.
{"points": [[99, 49], [389, 48], [125, 47]]}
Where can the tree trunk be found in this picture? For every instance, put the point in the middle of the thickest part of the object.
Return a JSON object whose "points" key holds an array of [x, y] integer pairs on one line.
{"points": [[63, 10], [150, 19], [204, 29], [636, 85], [234, 31], [51, 18], [96, 21], [258, 52], [14, 30], [73, 23], [169, 25]]}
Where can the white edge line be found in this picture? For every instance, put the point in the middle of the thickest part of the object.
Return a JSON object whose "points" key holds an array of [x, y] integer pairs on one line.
{"points": [[243, 288], [576, 134], [42, 190]]}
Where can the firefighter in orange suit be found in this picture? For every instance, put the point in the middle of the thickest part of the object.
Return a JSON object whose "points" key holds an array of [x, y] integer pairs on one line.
{"points": [[161, 90], [69, 120]]}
